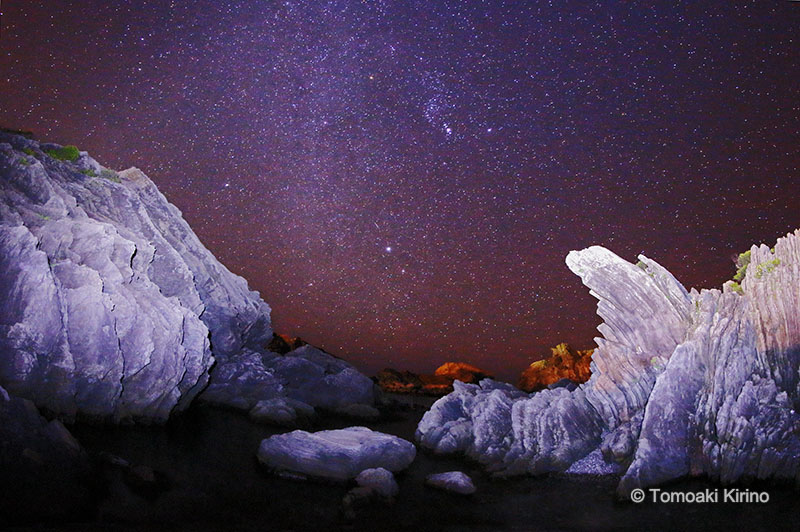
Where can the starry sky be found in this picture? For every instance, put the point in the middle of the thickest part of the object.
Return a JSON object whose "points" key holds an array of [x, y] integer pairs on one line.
{"points": [[402, 180]]}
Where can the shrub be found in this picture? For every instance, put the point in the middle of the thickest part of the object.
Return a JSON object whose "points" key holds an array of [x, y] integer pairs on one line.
{"points": [[736, 287], [89, 172], [65, 153], [742, 262], [29, 151], [767, 267], [24, 161]]}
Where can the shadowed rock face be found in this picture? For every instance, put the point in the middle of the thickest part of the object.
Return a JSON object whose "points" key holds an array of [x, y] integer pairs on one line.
{"points": [[307, 377], [283, 344], [565, 363], [45, 470], [682, 383], [112, 309]]}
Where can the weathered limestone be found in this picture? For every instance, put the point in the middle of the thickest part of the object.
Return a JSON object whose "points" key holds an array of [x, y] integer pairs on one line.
{"points": [[682, 383]]}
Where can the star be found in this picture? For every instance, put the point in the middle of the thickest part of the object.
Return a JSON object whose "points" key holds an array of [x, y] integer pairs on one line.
{"points": [[383, 128]]}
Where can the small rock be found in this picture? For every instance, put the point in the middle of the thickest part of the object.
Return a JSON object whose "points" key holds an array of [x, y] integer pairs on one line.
{"points": [[282, 344], [379, 480], [281, 411], [463, 372], [454, 481]]}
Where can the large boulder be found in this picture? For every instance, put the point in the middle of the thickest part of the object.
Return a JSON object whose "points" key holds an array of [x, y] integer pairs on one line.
{"points": [[683, 383], [110, 303], [100, 311], [335, 454]]}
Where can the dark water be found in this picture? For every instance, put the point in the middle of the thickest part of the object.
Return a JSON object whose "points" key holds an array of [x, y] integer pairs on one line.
{"points": [[208, 456]]}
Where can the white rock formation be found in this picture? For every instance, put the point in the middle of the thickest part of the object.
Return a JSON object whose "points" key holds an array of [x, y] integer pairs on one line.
{"points": [[682, 383], [335, 454], [112, 308], [102, 289]]}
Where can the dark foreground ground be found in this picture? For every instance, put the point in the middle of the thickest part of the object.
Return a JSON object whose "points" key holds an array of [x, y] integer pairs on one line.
{"points": [[212, 482]]}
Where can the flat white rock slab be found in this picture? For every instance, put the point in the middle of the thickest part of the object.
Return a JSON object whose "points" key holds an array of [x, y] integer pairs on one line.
{"points": [[335, 454]]}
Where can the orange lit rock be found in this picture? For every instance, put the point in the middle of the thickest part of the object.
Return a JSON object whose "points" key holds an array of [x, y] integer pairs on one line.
{"points": [[462, 371], [440, 383], [566, 363]]}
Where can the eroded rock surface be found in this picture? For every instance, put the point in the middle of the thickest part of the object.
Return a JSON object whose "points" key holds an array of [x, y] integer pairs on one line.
{"points": [[108, 298], [112, 309], [682, 383]]}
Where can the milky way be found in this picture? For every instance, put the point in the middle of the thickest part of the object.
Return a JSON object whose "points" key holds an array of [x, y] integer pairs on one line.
{"points": [[402, 180]]}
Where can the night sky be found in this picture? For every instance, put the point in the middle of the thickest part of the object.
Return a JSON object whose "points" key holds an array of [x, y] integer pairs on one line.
{"points": [[402, 180]]}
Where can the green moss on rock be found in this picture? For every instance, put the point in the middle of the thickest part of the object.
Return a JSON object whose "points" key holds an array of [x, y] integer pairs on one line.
{"points": [[65, 153]]}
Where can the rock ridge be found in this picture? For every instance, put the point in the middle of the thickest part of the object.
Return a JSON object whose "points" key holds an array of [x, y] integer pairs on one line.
{"points": [[683, 383]]}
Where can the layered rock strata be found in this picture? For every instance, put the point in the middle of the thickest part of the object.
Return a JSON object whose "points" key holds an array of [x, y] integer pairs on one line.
{"points": [[683, 383]]}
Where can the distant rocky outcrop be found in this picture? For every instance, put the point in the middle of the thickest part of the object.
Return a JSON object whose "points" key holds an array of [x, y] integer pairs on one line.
{"points": [[112, 309], [565, 363], [394, 381], [440, 383], [461, 371], [683, 383]]}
